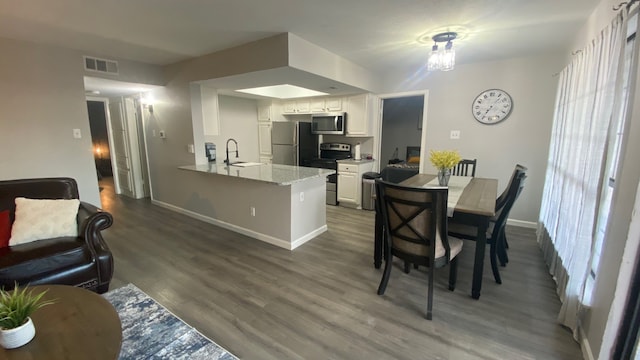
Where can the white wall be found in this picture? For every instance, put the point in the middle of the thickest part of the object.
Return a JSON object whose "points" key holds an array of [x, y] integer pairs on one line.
{"points": [[238, 120], [522, 138], [42, 99]]}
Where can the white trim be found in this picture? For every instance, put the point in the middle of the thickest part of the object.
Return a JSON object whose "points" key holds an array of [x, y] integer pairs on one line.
{"points": [[244, 231], [522, 223], [585, 346]]}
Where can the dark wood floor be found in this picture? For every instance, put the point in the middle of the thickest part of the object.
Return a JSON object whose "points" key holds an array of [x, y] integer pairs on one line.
{"points": [[319, 301]]}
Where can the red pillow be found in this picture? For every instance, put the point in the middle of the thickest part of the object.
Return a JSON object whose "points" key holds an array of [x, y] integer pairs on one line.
{"points": [[5, 228]]}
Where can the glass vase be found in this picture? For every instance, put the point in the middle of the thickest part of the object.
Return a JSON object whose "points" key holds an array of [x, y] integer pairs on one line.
{"points": [[443, 176]]}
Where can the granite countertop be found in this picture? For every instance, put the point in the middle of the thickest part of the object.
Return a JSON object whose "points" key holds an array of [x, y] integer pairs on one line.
{"points": [[271, 173], [355, 162]]}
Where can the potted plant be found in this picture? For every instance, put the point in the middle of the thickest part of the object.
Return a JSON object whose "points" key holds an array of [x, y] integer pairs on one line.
{"points": [[444, 160], [16, 307]]}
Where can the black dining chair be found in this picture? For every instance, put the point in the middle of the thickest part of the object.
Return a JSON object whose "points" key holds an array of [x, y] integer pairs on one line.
{"points": [[500, 202], [496, 230], [465, 168], [415, 225]]}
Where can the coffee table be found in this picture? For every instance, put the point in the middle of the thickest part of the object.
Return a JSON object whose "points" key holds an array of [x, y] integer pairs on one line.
{"points": [[80, 325]]}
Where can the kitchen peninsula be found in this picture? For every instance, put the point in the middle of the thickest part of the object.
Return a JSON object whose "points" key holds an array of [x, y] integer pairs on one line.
{"points": [[279, 204]]}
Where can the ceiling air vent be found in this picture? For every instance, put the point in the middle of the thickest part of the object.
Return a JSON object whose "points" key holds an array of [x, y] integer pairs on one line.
{"points": [[100, 65]]}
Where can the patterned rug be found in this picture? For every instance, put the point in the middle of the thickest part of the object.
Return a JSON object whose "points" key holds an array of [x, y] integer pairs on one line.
{"points": [[149, 331]]}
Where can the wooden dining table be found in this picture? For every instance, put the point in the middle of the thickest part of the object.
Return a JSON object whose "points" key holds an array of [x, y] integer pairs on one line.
{"points": [[475, 207]]}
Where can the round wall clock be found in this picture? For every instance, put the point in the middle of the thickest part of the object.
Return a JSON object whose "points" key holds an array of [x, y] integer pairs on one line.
{"points": [[492, 106]]}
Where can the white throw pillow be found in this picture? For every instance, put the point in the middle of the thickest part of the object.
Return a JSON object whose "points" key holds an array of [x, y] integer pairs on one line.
{"points": [[37, 219]]}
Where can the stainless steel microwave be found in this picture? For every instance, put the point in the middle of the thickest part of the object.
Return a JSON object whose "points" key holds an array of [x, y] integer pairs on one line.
{"points": [[328, 123]]}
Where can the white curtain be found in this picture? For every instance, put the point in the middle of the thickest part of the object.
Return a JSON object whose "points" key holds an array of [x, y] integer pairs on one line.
{"points": [[577, 154]]}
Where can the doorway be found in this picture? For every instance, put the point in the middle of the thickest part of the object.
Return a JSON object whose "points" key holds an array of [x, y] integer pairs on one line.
{"points": [[100, 138], [402, 129], [118, 144]]}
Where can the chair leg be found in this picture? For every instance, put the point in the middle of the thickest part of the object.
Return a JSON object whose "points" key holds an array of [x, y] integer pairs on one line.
{"points": [[385, 276], [430, 295], [494, 262], [453, 273], [501, 249], [407, 267]]}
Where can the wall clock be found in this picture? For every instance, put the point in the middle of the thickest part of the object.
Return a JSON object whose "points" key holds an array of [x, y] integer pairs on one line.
{"points": [[492, 106]]}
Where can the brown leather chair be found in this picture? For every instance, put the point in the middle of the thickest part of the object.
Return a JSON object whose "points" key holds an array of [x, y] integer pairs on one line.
{"points": [[83, 261]]}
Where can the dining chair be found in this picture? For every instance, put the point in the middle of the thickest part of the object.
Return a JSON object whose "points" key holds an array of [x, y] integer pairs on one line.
{"points": [[495, 232], [500, 202], [415, 225], [465, 168]]}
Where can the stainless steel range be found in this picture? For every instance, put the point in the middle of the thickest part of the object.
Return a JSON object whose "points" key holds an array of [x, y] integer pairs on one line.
{"points": [[329, 154]]}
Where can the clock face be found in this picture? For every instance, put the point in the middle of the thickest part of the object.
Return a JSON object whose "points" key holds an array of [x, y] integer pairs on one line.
{"points": [[492, 106]]}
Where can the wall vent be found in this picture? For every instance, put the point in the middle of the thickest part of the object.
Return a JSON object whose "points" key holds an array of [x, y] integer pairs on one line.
{"points": [[100, 65]]}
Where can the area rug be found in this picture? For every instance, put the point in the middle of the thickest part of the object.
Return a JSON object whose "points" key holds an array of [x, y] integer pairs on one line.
{"points": [[149, 331]]}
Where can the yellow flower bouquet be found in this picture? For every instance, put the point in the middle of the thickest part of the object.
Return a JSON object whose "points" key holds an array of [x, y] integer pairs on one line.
{"points": [[444, 159]]}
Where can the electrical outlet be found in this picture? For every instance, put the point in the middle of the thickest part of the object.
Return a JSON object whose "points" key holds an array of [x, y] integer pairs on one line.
{"points": [[253, 211], [301, 196], [77, 134], [455, 135]]}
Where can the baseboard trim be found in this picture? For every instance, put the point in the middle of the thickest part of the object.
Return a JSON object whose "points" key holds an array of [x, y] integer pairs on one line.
{"points": [[522, 223], [584, 345], [244, 231]]}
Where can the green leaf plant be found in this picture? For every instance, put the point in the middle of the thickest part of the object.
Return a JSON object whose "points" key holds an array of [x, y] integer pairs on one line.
{"points": [[18, 304]]}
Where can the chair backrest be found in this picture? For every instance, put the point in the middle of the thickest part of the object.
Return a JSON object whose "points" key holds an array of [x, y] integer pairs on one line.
{"points": [[465, 167], [43, 188], [513, 192], [415, 221], [500, 201]]}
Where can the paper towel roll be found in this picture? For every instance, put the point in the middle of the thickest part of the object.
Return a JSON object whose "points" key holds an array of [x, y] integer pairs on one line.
{"points": [[357, 155]]}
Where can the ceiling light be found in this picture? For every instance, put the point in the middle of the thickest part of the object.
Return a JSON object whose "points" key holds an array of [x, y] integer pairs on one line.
{"points": [[284, 91], [443, 58]]}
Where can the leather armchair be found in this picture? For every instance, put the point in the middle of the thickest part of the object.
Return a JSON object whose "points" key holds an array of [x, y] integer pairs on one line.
{"points": [[83, 261]]}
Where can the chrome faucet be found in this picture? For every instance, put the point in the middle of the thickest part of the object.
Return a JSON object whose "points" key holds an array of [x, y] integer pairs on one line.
{"points": [[227, 150]]}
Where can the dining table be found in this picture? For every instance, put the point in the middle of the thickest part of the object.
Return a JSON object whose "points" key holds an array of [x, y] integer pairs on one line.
{"points": [[475, 205]]}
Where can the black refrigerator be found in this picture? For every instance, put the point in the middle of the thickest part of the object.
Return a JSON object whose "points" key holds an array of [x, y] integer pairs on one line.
{"points": [[292, 143]]}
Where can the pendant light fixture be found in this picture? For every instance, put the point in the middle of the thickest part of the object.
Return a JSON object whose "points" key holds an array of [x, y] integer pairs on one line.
{"points": [[444, 58]]}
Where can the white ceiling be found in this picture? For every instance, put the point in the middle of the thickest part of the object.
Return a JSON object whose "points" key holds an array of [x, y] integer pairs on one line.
{"points": [[380, 35]]}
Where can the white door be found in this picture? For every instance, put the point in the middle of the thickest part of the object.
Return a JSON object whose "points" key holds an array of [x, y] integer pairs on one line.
{"points": [[122, 168]]}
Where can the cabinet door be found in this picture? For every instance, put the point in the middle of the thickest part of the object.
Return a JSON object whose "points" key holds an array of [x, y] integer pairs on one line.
{"points": [[264, 113], [289, 107], [303, 106], [357, 115], [333, 104], [317, 106], [348, 187], [264, 138]]}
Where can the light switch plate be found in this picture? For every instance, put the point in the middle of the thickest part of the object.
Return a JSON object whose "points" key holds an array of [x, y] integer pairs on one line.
{"points": [[455, 134], [162, 134], [191, 149]]}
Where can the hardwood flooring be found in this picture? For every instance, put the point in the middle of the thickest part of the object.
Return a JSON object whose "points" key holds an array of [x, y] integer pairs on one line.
{"points": [[319, 301]]}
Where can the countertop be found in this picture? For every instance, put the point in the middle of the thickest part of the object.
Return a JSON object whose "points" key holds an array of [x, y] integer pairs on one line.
{"points": [[355, 162], [270, 173]]}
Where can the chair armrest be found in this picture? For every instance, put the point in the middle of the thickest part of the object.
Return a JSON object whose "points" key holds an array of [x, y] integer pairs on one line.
{"points": [[91, 221]]}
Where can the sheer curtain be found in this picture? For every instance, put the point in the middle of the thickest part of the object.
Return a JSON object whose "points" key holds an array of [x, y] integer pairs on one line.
{"points": [[587, 92]]}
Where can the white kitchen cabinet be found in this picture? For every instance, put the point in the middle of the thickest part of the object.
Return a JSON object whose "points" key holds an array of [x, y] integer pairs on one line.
{"points": [[204, 108], [350, 182], [361, 112], [264, 113], [325, 104], [264, 138], [296, 107]]}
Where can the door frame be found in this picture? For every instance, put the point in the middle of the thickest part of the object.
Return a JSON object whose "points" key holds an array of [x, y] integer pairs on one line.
{"points": [[423, 138]]}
